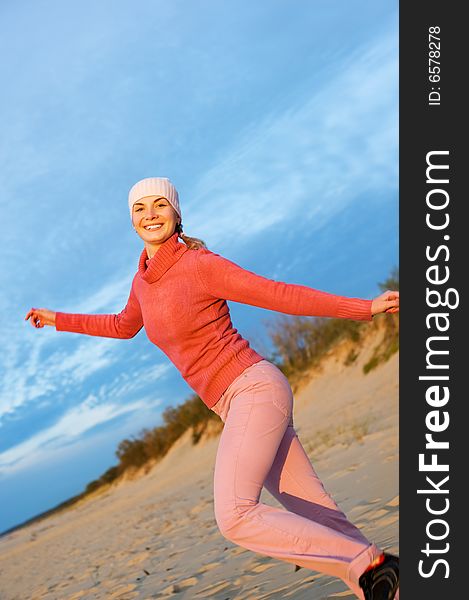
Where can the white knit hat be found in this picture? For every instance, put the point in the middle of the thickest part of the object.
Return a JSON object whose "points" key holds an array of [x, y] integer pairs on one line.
{"points": [[154, 186]]}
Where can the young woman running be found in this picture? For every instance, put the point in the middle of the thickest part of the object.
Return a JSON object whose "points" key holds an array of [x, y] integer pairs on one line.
{"points": [[179, 295]]}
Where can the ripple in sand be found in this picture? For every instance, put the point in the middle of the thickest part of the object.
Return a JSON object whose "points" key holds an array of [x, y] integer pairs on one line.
{"points": [[388, 520], [174, 588], [123, 592], [244, 579], [208, 567], [189, 582], [237, 550], [198, 508], [77, 595], [213, 589], [380, 513], [344, 594], [138, 559], [332, 588], [262, 568], [180, 586], [167, 527]]}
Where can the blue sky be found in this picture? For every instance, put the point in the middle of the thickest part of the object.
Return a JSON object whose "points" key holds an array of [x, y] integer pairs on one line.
{"points": [[276, 121]]}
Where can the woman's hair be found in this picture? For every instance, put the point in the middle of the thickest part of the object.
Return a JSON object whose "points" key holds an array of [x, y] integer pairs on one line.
{"points": [[191, 242]]}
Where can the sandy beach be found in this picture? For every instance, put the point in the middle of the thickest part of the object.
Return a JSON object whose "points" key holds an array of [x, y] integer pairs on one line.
{"points": [[155, 535]]}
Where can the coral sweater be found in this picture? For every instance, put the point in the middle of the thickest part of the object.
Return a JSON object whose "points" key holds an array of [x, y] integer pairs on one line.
{"points": [[180, 295]]}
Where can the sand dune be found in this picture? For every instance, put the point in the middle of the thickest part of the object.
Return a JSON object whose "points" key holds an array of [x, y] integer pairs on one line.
{"points": [[155, 536]]}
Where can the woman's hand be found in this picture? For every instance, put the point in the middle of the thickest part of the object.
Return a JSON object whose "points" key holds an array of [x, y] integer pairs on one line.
{"points": [[40, 317], [387, 302]]}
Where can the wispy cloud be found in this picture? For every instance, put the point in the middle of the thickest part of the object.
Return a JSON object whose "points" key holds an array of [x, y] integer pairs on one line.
{"points": [[309, 160], [37, 363], [28, 375], [105, 297], [70, 427], [126, 384], [33, 375]]}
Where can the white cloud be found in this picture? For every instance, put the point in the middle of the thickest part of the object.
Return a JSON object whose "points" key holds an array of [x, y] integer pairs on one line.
{"points": [[110, 294], [127, 383], [33, 375], [32, 366], [68, 429], [107, 403], [28, 375], [310, 160]]}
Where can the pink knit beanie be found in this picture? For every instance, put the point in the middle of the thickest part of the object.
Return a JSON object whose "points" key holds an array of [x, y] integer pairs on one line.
{"points": [[154, 186]]}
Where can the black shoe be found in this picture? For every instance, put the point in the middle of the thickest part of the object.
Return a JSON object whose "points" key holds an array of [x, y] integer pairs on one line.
{"points": [[381, 582]]}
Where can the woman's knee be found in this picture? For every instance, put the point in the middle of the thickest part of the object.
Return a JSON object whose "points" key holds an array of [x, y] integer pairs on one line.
{"points": [[230, 520], [226, 524]]}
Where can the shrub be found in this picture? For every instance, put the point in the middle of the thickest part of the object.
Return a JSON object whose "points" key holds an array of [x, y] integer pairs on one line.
{"points": [[301, 342]]}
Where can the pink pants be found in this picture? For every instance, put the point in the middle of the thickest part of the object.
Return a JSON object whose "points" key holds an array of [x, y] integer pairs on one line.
{"points": [[259, 447]]}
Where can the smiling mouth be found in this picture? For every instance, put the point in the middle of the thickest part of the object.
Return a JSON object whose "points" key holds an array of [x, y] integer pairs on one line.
{"points": [[153, 227]]}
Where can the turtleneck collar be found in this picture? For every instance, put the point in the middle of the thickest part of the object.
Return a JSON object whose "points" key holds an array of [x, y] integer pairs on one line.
{"points": [[167, 254]]}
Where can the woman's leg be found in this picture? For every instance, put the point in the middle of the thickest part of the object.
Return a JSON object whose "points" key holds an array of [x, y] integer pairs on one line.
{"points": [[293, 481], [256, 424]]}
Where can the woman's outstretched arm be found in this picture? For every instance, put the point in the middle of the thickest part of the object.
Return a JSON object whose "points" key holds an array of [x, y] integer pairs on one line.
{"points": [[225, 279], [124, 325]]}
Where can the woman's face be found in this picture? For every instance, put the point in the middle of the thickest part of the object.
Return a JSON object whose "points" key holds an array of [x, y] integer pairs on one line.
{"points": [[154, 220]]}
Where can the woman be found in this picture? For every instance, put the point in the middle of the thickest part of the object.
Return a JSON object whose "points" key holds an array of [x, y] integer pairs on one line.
{"points": [[179, 295]]}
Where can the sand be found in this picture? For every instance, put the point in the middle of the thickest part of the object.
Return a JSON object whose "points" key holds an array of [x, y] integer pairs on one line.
{"points": [[155, 536]]}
